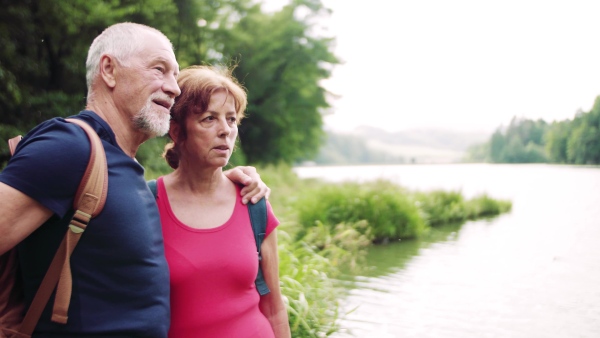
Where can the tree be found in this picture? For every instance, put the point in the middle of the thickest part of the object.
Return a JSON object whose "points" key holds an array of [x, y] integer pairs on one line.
{"points": [[44, 47], [556, 141], [281, 65]]}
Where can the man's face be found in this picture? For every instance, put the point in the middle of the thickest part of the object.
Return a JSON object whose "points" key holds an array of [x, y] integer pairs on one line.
{"points": [[147, 86]]}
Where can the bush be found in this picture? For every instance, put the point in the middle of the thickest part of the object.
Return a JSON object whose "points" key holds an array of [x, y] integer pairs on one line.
{"points": [[483, 205], [442, 207], [390, 212]]}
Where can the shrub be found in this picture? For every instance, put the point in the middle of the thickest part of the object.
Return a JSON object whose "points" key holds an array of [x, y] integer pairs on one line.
{"points": [[390, 212], [442, 207], [483, 205]]}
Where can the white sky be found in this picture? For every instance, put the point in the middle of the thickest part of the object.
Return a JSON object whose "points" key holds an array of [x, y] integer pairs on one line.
{"points": [[463, 64]]}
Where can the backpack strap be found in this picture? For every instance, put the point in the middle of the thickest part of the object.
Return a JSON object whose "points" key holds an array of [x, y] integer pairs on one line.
{"points": [[12, 144], [88, 202], [152, 186], [258, 218]]}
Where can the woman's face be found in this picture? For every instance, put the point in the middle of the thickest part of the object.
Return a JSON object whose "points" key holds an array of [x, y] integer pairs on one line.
{"points": [[211, 134]]}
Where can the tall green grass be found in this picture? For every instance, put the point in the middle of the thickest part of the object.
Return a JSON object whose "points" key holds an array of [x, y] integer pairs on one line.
{"points": [[390, 211], [443, 207]]}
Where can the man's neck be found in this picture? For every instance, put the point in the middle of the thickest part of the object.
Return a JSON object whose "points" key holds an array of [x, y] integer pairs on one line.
{"points": [[128, 137]]}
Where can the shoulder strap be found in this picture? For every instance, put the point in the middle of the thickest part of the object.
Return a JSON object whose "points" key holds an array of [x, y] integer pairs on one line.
{"points": [[153, 188], [12, 144], [88, 202], [258, 218]]}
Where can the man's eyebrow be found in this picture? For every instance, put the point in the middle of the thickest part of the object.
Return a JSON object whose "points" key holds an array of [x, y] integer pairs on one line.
{"points": [[166, 61]]}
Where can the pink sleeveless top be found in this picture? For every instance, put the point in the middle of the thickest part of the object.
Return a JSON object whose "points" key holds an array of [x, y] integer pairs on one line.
{"points": [[212, 274]]}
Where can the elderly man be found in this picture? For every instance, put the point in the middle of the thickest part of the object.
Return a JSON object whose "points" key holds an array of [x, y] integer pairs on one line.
{"points": [[120, 276]]}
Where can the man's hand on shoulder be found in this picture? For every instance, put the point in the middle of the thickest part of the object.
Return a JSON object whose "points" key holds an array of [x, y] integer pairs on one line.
{"points": [[254, 188]]}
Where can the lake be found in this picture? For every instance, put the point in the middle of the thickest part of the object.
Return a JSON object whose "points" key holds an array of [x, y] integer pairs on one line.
{"points": [[534, 272]]}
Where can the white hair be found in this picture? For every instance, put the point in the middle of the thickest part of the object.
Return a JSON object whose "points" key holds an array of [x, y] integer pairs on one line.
{"points": [[120, 41]]}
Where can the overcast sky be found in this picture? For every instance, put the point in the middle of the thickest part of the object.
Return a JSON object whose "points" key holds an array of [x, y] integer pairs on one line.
{"points": [[463, 64]]}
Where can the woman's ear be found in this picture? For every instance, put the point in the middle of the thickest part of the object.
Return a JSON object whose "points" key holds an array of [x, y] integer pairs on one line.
{"points": [[174, 131]]}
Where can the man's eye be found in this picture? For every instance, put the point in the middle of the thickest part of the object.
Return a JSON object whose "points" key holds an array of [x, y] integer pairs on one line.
{"points": [[160, 69]]}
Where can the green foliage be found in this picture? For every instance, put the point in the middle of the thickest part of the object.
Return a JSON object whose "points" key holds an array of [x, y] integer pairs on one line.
{"points": [[310, 294], [281, 65], [556, 141], [521, 142], [442, 207], [445, 207], [341, 244], [485, 206], [574, 141], [309, 268], [150, 156], [389, 210], [583, 143]]}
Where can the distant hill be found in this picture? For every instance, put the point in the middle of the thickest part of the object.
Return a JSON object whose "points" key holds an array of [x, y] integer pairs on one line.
{"points": [[374, 145]]}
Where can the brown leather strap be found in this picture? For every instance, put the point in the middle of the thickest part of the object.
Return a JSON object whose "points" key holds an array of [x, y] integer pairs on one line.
{"points": [[12, 144], [91, 195], [88, 202], [64, 287]]}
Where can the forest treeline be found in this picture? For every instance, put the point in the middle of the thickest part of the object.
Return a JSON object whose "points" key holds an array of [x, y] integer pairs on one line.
{"points": [[278, 57], [575, 141]]}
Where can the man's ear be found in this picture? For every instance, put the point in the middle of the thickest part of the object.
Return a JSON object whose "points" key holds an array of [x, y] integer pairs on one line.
{"points": [[108, 70]]}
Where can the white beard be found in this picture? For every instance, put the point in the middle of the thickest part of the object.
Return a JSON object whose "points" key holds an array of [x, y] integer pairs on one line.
{"points": [[152, 121]]}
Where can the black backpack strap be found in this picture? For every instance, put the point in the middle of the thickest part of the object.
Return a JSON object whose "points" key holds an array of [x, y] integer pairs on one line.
{"points": [[258, 218], [152, 186]]}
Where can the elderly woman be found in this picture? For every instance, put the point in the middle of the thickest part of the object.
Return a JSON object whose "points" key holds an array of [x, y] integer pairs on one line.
{"points": [[209, 241]]}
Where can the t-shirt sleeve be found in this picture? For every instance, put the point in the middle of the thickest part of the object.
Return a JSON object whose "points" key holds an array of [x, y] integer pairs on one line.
{"points": [[272, 221], [49, 163]]}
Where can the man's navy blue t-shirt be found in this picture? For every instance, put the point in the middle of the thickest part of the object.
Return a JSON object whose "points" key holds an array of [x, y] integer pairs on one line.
{"points": [[120, 275]]}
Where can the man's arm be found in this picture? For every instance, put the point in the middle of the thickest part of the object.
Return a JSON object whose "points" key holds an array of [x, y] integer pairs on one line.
{"points": [[20, 215], [254, 188]]}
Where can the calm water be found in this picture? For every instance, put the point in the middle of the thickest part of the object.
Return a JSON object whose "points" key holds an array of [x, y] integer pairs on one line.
{"points": [[534, 272]]}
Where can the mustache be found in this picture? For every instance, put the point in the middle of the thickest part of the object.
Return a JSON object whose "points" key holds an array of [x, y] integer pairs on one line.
{"points": [[162, 97]]}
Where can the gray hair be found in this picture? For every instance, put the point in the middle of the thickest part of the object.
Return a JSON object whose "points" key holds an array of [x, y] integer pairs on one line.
{"points": [[119, 40]]}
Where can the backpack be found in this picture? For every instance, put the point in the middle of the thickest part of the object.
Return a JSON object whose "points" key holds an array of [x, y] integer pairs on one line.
{"points": [[258, 220], [88, 202]]}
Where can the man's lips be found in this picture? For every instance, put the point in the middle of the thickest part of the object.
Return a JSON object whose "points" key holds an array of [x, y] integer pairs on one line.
{"points": [[166, 104]]}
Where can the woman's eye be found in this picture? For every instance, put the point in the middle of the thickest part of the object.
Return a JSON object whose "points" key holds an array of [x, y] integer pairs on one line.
{"points": [[232, 120], [160, 69]]}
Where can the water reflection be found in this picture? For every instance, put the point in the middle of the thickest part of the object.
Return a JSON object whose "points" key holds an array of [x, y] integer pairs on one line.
{"points": [[386, 259]]}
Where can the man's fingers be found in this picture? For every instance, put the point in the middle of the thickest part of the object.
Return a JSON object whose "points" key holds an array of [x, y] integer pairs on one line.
{"points": [[255, 193]]}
